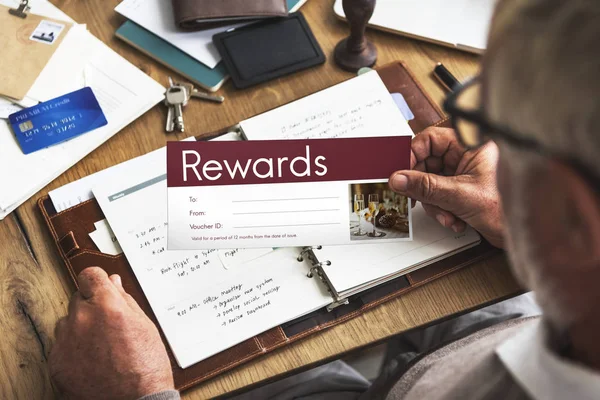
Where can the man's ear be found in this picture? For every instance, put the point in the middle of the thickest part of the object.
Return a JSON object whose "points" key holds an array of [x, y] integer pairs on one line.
{"points": [[579, 221]]}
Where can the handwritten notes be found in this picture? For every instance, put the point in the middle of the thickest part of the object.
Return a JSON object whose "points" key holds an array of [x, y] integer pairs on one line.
{"points": [[267, 292], [350, 109], [234, 303], [151, 241], [233, 258], [326, 124]]}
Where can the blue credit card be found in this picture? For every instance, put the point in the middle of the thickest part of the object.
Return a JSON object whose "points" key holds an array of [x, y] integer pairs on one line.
{"points": [[57, 120]]}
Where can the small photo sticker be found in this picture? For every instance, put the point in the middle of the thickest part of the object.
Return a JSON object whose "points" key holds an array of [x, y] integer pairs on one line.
{"points": [[378, 213], [47, 32]]}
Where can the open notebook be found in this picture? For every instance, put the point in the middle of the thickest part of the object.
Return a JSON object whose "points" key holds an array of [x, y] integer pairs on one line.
{"points": [[220, 308], [207, 301]]}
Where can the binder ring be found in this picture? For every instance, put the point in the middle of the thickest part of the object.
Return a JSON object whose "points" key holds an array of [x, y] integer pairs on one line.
{"points": [[306, 250], [316, 268]]}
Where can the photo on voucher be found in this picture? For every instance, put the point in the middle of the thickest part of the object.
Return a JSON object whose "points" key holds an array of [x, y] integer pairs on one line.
{"points": [[376, 212]]}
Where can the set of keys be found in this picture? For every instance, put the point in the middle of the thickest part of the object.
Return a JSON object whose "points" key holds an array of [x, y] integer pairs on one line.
{"points": [[177, 97]]}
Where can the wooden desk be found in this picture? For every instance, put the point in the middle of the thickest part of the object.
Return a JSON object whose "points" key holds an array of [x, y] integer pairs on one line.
{"points": [[35, 290]]}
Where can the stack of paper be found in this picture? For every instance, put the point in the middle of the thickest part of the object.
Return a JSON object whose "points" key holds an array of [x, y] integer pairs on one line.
{"points": [[123, 91]]}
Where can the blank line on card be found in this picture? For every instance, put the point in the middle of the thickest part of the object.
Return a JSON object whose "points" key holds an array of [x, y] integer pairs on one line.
{"points": [[284, 212], [282, 226], [297, 198]]}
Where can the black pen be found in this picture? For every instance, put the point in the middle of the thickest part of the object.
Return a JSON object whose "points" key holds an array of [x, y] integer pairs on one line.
{"points": [[445, 77]]}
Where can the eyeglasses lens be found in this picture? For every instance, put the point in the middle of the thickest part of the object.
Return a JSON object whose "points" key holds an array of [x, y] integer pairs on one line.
{"points": [[469, 100]]}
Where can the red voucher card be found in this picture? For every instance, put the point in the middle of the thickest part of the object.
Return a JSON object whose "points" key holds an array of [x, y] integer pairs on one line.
{"points": [[281, 193]]}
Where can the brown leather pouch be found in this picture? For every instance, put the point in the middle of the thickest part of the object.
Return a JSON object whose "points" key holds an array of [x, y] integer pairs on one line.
{"points": [[70, 229], [204, 14]]}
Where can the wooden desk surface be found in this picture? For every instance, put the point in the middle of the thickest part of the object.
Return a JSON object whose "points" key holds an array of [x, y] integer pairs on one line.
{"points": [[35, 290]]}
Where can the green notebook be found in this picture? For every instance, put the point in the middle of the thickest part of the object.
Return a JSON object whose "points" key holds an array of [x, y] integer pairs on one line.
{"points": [[170, 56], [294, 5]]}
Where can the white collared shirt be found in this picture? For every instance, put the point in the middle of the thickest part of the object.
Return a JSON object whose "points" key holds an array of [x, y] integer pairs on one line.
{"points": [[542, 373]]}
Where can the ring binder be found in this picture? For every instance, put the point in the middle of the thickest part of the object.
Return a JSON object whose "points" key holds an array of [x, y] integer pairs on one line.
{"points": [[317, 270], [317, 267], [307, 250]]}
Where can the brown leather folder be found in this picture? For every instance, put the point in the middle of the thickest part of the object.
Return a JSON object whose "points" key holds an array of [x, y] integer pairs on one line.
{"points": [[70, 229], [205, 14]]}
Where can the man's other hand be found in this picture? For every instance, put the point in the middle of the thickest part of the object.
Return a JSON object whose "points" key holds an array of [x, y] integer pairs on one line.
{"points": [[107, 348], [455, 186]]}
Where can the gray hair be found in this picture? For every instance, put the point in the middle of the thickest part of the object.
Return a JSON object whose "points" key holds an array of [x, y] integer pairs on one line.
{"points": [[543, 68]]}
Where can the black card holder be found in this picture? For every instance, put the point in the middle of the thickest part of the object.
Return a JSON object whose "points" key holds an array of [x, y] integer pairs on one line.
{"points": [[268, 50]]}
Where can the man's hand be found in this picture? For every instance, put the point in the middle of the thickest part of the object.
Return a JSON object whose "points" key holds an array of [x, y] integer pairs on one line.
{"points": [[454, 185], [107, 348]]}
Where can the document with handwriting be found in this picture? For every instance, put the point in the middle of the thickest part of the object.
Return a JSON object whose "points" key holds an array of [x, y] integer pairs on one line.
{"points": [[359, 107], [206, 300]]}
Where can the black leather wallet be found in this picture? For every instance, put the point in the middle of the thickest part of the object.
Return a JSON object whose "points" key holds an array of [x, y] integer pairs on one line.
{"points": [[267, 50]]}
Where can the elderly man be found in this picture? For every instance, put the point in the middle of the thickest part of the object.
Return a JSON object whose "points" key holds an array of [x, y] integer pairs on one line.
{"points": [[536, 98]]}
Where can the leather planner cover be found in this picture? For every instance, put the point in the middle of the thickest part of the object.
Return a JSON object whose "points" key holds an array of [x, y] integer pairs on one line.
{"points": [[70, 229], [204, 14]]}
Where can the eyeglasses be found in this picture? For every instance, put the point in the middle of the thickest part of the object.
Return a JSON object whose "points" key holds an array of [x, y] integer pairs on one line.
{"points": [[474, 128], [471, 124]]}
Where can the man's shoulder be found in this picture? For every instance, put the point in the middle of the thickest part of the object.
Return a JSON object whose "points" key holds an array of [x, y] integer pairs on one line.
{"points": [[485, 378], [468, 368]]}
